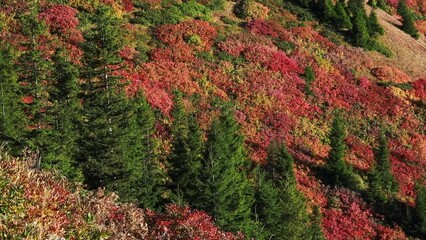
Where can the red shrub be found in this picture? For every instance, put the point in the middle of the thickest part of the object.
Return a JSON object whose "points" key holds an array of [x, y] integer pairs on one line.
{"points": [[184, 223], [179, 33], [419, 88], [60, 18]]}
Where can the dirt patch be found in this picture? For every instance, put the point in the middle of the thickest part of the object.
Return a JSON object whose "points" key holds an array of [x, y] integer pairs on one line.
{"points": [[409, 54]]}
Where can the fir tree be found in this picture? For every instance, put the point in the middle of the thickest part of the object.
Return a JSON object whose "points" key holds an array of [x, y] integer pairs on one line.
{"points": [[186, 157], [342, 18], [360, 29], [106, 107], [420, 210], [383, 184], [326, 9], [227, 193], [281, 207], [407, 19], [12, 119], [315, 229], [144, 182], [374, 26], [63, 116], [340, 171], [34, 69], [382, 5]]}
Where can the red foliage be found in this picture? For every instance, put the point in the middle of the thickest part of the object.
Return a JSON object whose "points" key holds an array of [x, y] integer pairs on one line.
{"points": [[177, 53], [350, 219], [236, 44], [128, 5], [268, 28], [360, 155], [184, 223], [60, 18], [178, 34], [419, 88]]}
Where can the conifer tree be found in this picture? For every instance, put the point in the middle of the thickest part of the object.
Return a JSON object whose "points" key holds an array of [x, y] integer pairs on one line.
{"points": [[63, 116], [326, 9], [227, 193], [407, 19], [360, 28], [186, 157], [315, 229], [420, 210], [12, 119], [342, 18], [383, 184], [144, 182], [341, 172], [281, 207], [374, 26], [382, 5], [34, 73], [105, 105]]}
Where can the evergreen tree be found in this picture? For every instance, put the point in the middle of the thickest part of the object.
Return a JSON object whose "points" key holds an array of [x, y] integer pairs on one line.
{"points": [[341, 172], [281, 207], [360, 29], [315, 229], [34, 69], [383, 184], [354, 6], [382, 5], [374, 26], [63, 116], [326, 10], [420, 210], [144, 182], [309, 79], [105, 111], [12, 119], [407, 19], [342, 18], [227, 193], [186, 157]]}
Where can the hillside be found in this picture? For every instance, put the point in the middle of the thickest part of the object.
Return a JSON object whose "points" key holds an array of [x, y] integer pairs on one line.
{"points": [[155, 119]]}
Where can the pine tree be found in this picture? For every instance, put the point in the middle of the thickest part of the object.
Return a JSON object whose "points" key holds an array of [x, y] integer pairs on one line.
{"points": [[63, 116], [35, 70], [186, 157], [340, 171], [326, 9], [281, 207], [342, 18], [420, 210], [12, 119], [383, 184], [106, 107], [144, 182], [382, 5], [315, 229], [374, 26], [360, 29], [407, 19], [227, 193]]}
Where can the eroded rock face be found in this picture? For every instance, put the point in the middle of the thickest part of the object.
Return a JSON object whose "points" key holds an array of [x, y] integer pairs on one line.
{"points": [[390, 74]]}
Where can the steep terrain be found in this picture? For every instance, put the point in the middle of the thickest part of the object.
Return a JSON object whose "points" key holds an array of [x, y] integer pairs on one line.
{"points": [[226, 106]]}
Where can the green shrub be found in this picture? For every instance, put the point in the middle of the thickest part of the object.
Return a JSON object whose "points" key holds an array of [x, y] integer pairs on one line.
{"points": [[303, 14]]}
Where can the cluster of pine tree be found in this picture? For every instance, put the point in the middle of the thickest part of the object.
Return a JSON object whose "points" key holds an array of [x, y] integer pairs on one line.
{"points": [[407, 19], [80, 121], [351, 18]]}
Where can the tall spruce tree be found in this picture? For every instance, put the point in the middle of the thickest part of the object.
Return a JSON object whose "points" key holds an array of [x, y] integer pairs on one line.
{"points": [[309, 76], [227, 193], [342, 18], [341, 172], [374, 26], [105, 105], [326, 10], [280, 206], [144, 182], [383, 184], [420, 210], [360, 28], [12, 118], [407, 19], [186, 157], [63, 116], [34, 73]]}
